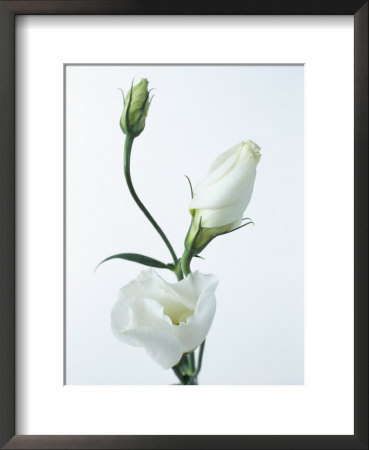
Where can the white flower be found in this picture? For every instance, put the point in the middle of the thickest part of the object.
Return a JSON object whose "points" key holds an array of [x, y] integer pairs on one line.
{"points": [[222, 197], [220, 200], [166, 319]]}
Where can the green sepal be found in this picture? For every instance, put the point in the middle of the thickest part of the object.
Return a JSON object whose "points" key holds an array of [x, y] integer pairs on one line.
{"points": [[211, 233], [191, 189]]}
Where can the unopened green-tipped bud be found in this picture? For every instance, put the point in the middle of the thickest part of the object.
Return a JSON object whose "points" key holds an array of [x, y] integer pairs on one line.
{"points": [[136, 107]]}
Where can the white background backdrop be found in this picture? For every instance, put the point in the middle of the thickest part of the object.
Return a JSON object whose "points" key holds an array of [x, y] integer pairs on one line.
{"points": [[197, 113], [324, 404]]}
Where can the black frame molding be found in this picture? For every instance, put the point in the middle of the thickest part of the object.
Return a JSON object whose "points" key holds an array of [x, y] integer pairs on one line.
{"points": [[8, 11]]}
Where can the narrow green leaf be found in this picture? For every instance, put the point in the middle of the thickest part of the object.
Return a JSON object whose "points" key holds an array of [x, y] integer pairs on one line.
{"points": [[136, 257]]}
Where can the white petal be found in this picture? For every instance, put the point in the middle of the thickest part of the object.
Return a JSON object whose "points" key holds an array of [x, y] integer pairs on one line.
{"points": [[140, 319], [175, 306], [142, 322], [163, 346], [230, 189], [212, 218], [121, 320], [194, 331], [149, 312], [133, 312], [222, 197], [220, 167], [190, 288], [225, 157]]}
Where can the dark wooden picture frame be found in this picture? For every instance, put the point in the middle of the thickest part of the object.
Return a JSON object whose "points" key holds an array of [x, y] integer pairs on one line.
{"points": [[8, 11]]}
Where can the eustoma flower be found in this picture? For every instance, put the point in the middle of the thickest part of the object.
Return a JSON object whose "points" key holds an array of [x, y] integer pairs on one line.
{"points": [[166, 319], [220, 200]]}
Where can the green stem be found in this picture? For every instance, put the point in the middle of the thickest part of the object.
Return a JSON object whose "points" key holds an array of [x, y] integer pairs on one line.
{"points": [[178, 270], [179, 375], [191, 358], [199, 361], [185, 262], [189, 251], [127, 173], [192, 380], [185, 370]]}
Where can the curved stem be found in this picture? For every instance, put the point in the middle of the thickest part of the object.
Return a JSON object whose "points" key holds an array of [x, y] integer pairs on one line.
{"points": [[127, 173]]}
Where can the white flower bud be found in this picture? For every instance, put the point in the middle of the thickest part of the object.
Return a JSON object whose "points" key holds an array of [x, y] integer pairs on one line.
{"points": [[220, 200]]}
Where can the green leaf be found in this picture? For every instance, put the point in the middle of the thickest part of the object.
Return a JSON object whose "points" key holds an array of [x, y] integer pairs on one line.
{"points": [[136, 257]]}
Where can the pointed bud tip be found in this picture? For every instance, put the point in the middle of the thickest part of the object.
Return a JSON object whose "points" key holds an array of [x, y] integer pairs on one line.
{"points": [[252, 147]]}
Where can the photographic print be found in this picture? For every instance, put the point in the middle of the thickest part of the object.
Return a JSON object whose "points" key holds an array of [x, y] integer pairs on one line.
{"points": [[184, 224]]}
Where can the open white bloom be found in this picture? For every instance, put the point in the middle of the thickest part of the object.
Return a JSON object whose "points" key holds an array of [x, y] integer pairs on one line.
{"points": [[167, 319], [220, 200]]}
